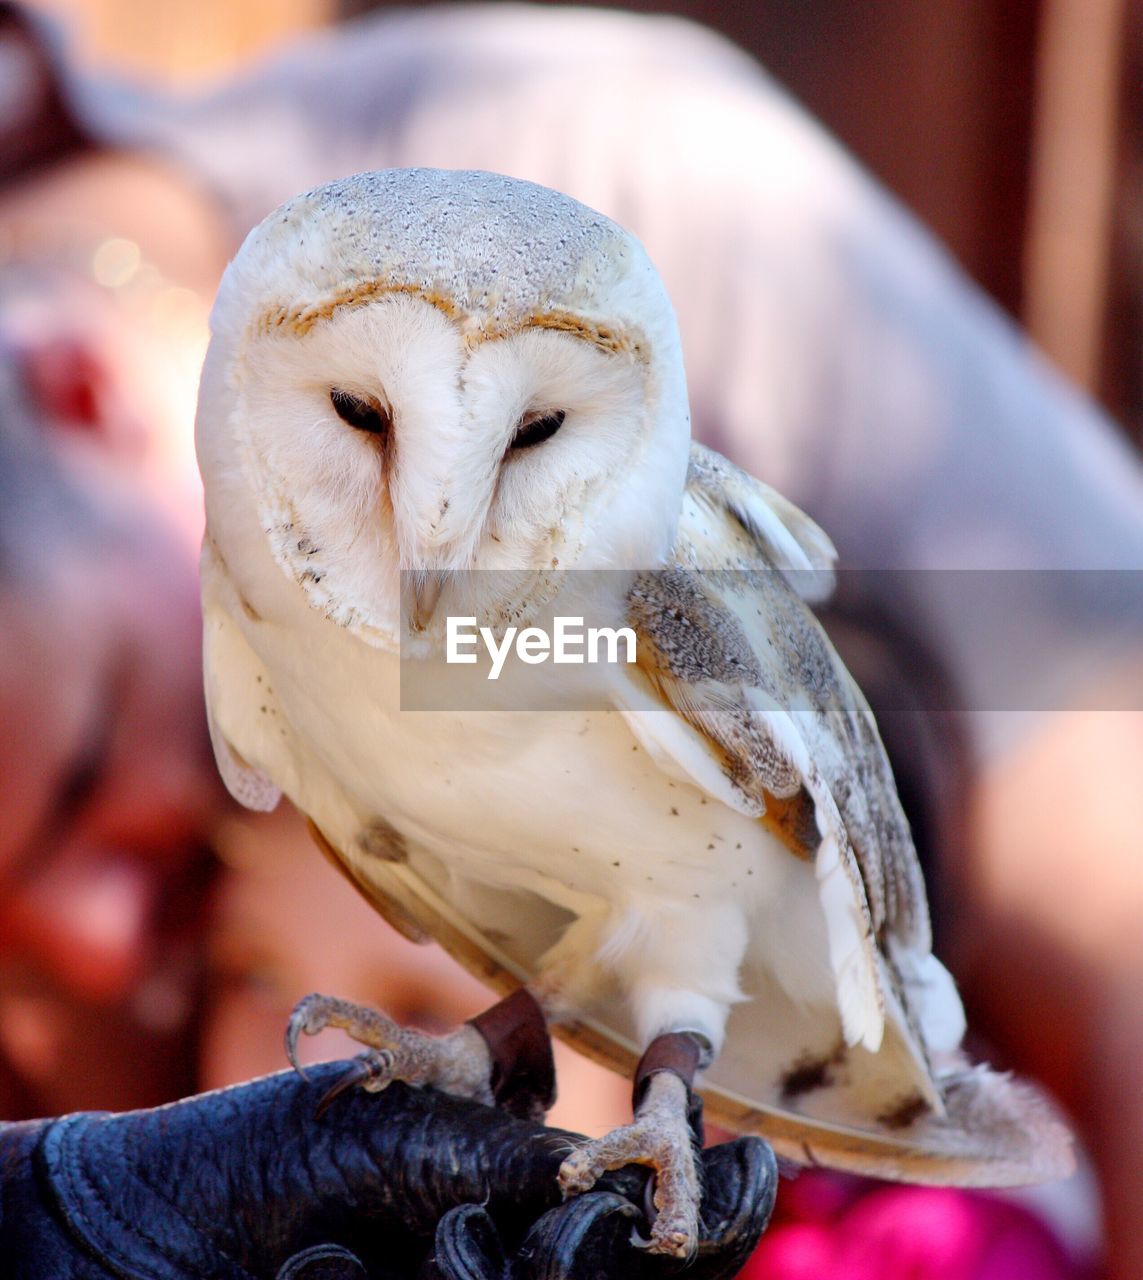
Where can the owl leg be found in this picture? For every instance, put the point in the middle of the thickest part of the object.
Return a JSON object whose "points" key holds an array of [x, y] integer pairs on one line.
{"points": [[502, 1056], [664, 1134]]}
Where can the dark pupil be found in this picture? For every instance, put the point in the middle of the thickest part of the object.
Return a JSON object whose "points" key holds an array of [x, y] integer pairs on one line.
{"points": [[362, 414], [538, 431]]}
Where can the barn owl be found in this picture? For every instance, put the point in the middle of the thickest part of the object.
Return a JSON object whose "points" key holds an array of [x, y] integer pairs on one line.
{"points": [[705, 875]]}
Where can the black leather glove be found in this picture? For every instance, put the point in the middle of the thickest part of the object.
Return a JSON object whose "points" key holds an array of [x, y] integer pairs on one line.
{"points": [[244, 1183]]}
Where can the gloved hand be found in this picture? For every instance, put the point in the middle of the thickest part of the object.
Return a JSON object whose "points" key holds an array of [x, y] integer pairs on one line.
{"points": [[244, 1183]]}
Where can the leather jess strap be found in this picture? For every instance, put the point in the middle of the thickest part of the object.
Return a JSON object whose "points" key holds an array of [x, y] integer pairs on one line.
{"points": [[681, 1053], [523, 1069]]}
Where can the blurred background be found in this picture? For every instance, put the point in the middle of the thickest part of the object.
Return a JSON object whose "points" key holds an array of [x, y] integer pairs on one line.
{"points": [[1011, 127]]}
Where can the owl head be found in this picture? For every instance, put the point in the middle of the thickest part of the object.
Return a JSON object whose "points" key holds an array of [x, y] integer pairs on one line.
{"points": [[438, 372]]}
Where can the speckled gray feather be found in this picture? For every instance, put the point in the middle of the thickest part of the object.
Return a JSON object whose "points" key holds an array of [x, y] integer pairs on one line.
{"points": [[484, 244]]}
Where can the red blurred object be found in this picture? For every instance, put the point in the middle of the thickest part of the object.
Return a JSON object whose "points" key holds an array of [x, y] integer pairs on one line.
{"points": [[835, 1228]]}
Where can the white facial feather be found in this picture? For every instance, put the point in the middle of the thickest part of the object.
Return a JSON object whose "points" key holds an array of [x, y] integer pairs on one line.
{"points": [[721, 848], [461, 308]]}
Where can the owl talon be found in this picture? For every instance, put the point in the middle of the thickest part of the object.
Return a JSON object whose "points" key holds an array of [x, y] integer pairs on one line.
{"points": [[315, 1013], [660, 1136], [306, 1019], [458, 1063], [371, 1071]]}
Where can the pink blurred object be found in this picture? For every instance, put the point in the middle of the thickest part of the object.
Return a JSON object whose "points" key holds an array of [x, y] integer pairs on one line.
{"points": [[836, 1228]]}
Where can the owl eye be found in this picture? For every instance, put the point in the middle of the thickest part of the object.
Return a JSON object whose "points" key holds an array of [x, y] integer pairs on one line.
{"points": [[365, 415], [533, 431]]}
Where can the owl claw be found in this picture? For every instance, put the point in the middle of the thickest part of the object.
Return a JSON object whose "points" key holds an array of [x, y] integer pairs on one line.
{"points": [[302, 1022], [661, 1137], [371, 1071], [315, 1013], [457, 1063]]}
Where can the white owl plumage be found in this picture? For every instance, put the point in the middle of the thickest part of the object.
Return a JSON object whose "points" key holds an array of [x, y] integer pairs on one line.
{"points": [[720, 849]]}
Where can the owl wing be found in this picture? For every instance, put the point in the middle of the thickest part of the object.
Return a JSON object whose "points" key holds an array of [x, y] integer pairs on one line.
{"points": [[734, 522], [769, 721], [738, 690], [773, 557]]}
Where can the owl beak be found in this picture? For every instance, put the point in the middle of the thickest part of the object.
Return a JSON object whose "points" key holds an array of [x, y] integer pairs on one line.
{"points": [[426, 593]]}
